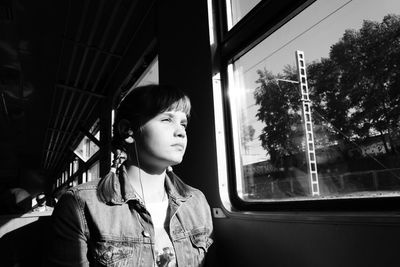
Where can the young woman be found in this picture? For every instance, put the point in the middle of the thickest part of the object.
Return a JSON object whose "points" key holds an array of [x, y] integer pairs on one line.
{"points": [[141, 213]]}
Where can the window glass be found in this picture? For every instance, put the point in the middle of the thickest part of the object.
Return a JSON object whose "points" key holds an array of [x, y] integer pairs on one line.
{"points": [[95, 129], [316, 105], [87, 148], [112, 134], [237, 9], [84, 178], [75, 165], [93, 172], [150, 75], [210, 21]]}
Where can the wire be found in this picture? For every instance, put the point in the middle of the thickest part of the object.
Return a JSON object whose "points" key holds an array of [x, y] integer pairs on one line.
{"points": [[354, 143], [144, 201], [297, 36], [349, 139], [140, 173]]}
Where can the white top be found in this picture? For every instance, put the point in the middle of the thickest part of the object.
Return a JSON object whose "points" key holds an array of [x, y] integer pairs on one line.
{"points": [[164, 250]]}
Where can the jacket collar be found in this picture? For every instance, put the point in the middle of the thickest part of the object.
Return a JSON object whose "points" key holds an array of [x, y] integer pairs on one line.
{"points": [[123, 191]]}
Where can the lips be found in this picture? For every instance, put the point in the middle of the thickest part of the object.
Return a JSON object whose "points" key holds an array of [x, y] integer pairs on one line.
{"points": [[181, 146]]}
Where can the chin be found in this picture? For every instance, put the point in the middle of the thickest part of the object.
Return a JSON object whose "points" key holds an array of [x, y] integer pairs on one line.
{"points": [[175, 161]]}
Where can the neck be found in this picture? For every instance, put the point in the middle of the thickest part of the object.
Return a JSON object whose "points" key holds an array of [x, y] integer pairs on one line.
{"points": [[151, 183]]}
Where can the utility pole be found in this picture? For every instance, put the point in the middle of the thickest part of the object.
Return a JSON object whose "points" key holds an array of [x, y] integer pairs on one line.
{"points": [[309, 133]]}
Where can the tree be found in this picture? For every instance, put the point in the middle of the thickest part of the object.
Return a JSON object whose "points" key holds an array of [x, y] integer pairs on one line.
{"points": [[280, 112], [355, 93], [247, 135], [366, 79]]}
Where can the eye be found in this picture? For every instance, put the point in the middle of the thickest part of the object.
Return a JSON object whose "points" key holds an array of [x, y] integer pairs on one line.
{"points": [[185, 125], [166, 119]]}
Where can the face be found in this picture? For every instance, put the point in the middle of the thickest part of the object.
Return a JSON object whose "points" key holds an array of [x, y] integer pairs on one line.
{"points": [[163, 140]]}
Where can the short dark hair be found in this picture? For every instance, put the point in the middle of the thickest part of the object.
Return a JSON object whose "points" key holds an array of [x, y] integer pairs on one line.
{"points": [[144, 103]]}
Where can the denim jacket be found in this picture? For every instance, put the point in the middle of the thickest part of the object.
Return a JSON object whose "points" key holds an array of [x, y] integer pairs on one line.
{"points": [[89, 232]]}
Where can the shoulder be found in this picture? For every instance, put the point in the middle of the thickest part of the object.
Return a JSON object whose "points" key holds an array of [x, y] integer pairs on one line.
{"points": [[183, 189], [81, 193], [196, 193], [197, 198], [92, 185], [196, 212]]}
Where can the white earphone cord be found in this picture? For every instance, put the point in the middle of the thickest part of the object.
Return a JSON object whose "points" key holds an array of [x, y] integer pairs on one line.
{"points": [[144, 201], [140, 175]]}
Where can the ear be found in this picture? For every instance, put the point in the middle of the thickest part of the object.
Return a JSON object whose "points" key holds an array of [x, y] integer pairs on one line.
{"points": [[123, 127]]}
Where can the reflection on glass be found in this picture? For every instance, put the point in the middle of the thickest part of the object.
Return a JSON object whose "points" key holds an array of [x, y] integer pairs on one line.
{"points": [[75, 165], [87, 148], [351, 112], [237, 9], [150, 76], [93, 172]]}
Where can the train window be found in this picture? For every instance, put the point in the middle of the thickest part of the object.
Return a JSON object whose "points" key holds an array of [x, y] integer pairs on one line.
{"points": [[237, 9], [84, 177], [150, 75], [71, 169], [87, 147], [93, 172], [76, 171], [210, 21], [75, 165], [315, 106]]}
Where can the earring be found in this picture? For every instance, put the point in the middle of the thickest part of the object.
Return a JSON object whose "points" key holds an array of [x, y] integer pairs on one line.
{"points": [[169, 169], [130, 138]]}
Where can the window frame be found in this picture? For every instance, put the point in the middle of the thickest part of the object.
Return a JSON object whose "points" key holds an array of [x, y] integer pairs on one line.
{"points": [[68, 173], [231, 45]]}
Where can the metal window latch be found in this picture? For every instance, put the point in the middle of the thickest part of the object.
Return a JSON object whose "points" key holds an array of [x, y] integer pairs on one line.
{"points": [[218, 213]]}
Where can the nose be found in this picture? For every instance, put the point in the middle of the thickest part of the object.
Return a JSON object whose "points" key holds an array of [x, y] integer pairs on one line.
{"points": [[180, 131]]}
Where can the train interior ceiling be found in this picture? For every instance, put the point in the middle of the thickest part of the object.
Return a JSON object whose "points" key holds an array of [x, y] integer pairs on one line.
{"points": [[294, 136], [59, 62]]}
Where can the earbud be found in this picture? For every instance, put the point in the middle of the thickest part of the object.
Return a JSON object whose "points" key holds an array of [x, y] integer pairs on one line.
{"points": [[130, 138]]}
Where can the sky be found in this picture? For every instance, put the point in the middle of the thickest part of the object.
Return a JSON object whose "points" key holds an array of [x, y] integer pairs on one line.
{"points": [[323, 31], [313, 31]]}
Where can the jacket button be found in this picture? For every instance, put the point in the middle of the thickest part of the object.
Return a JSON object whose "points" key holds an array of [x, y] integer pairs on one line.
{"points": [[146, 234]]}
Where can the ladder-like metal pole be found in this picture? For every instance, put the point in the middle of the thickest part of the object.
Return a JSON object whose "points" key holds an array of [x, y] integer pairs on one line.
{"points": [[305, 100]]}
